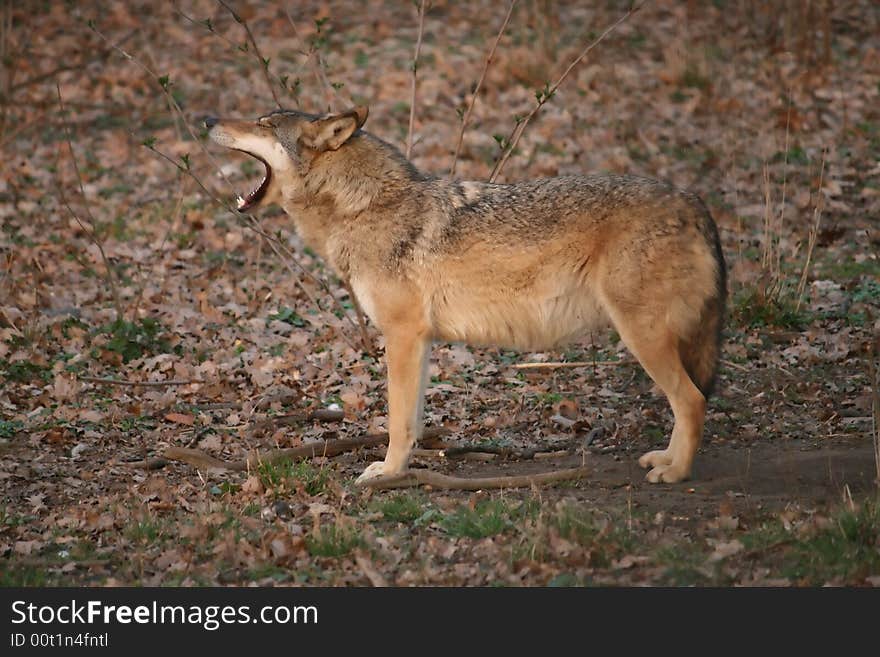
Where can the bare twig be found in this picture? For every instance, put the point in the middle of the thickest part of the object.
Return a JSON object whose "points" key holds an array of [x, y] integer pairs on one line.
{"points": [[165, 85], [8, 62], [736, 366], [546, 94], [553, 365], [813, 236], [172, 225], [277, 246], [781, 220], [91, 230], [264, 63], [313, 54], [768, 242], [467, 114], [149, 384], [415, 68], [875, 402], [207, 25], [284, 254], [411, 478], [365, 335]]}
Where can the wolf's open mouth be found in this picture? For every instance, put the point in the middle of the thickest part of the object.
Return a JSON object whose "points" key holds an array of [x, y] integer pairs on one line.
{"points": [[245, 203]]}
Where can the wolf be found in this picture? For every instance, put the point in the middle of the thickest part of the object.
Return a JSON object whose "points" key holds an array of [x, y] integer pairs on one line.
{"points": [[528, 266]]}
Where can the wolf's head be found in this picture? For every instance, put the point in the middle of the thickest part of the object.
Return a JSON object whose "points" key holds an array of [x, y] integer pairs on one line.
{"points": [[285, 142]]}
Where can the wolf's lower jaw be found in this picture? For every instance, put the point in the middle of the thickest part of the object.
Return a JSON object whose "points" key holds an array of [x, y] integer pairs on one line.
{"points": [[256, 195]]}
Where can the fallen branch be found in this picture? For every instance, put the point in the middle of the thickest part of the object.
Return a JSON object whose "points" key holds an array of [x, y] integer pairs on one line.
{"points": [[150, 464], [508, 453], [411, 478], [319, 415], [200, 459], [326, 448]]}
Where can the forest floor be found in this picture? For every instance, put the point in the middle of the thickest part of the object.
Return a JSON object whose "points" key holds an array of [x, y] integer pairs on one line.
{"points": [[137, 314]]}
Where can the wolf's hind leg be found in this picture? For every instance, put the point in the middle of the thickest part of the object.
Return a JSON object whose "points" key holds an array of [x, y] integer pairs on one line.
{"points": [[660, 356], [406, 354]]}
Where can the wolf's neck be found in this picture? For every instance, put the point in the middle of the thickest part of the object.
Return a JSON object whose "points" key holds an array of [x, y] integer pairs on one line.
{"points": [[365, 172]]}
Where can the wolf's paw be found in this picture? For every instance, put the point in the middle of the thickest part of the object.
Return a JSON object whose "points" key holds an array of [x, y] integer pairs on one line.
{"points": [[656, 459], [373, 471], [669, 474]]}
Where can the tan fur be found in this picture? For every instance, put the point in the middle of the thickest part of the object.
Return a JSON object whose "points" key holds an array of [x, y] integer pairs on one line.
{"points": [[528, 266]]}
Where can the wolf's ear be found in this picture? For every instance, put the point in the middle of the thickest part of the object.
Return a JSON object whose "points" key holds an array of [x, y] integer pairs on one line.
{"points": [[330, 132]]}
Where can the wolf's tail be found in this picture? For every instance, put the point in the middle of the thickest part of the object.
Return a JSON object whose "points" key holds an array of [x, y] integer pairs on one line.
{"points": [[700, 353]]}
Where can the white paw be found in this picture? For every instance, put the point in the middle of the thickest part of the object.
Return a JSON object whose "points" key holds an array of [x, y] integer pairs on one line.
{"points": [[373, 471], [656, 458], [669, 474]]}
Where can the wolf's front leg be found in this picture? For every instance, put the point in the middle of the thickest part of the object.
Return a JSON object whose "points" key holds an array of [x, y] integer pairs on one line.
{"points": [[406, 355]]}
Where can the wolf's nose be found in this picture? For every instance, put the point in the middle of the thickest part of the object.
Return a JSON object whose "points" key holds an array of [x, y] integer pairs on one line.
{"points": [[211, 121]]}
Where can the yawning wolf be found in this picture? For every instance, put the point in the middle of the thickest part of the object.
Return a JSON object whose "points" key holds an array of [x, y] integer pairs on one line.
{"points": [[529, 265]]}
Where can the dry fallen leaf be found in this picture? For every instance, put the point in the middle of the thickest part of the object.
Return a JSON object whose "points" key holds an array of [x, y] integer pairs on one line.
{"points": [[726, 549], [181, 418]]}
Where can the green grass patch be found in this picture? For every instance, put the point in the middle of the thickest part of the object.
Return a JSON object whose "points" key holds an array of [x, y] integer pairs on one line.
{"points": [[605, 539], [407, 506], [289, 316], [794, 155], [549, 398], [283, 473], [694, 79], [146, 531], [848, 550], [8, 428], [868, 291], [488, 517], [132, 340], [846, 270], [13, 574], [685, 564], [333, 541], [276, 573], [24, 371], [754, 310]]}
